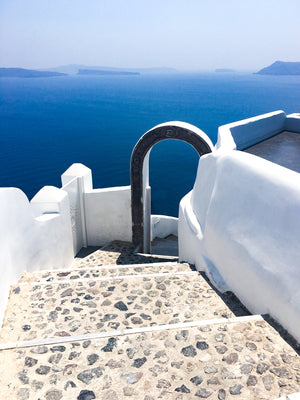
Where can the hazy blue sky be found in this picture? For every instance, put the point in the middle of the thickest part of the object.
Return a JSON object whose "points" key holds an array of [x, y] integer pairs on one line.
{"points": [[185, 34]]}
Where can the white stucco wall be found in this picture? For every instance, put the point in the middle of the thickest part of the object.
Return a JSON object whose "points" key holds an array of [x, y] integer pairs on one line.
{"points": [[75, 181], [242, 134], [47, 232], [108, 215], [292, 123], [32, 236], [163, 226], [98, 216], [240, 224]]}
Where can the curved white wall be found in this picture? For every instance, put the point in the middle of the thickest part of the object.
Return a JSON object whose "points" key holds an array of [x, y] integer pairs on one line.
{"points": [[163, 226], [241, 225]]}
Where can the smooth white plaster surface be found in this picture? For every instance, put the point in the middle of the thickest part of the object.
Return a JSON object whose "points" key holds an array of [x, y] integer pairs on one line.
{"points": [[240, 224], [76, 180], [163, 226], [294, 396], [98, 215], [292, 123], [33, 236], [108, 215], [242, 134]]}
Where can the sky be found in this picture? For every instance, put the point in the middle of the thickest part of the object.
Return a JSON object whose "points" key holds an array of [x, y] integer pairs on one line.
{"points": [[195, 35]]}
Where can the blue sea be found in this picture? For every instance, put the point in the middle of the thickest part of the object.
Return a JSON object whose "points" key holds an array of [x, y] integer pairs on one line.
{"points": [[46, 124]]}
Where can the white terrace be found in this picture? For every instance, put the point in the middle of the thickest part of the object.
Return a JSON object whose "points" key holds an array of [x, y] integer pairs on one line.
{"points": [[220, 322]]}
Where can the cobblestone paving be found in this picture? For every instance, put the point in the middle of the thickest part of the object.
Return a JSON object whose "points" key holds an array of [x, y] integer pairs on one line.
{"points": [[120, 253], [243, 360], [75, 308], [49, 276]]}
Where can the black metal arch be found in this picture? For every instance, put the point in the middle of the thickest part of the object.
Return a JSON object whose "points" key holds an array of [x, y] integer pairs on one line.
{"points": [[143, 146]]}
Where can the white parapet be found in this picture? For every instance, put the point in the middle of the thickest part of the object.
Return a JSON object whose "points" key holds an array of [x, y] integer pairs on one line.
{"points": [[247, 132], [76, 180], [33, 236], [163, 226], [98, 215], [108, 215], [242, 134]]}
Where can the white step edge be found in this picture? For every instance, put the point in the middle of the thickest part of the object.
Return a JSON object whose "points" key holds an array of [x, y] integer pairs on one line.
{"points": [[106, 278], [99, 335], [291, 396], [97, 267], [155, 255]]}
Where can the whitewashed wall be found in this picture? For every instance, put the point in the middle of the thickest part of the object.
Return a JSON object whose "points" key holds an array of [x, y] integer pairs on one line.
{"points": [[241, 225], [76, 180], [98, 216], [108, 215], [163, 226], [242, 134], [47, 232], [32, 236], [292, 122]]}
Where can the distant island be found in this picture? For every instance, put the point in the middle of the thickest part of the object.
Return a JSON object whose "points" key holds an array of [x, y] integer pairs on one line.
{"points": [[73, 69], [222, 70], [27, 73], [104, 72], [77, 69], [281, 68]]}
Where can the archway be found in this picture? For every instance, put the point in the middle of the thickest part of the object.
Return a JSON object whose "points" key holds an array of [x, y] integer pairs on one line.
{"points": [[139, 172]]}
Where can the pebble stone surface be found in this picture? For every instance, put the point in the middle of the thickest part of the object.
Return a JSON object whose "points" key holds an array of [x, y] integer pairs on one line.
{"points": [[76, 308], [234, 360], [115, 253], [101, 272], [246, 360], [118, 253]]}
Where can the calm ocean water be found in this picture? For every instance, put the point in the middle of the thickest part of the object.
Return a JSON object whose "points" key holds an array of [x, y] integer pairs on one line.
{"points": [[48, 124]]}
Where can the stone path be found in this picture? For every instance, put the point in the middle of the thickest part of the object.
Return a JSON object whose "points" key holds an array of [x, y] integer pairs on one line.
{"points": [[117, 253], [79, 307], [244, 360], [104, 271], [140, 332]]}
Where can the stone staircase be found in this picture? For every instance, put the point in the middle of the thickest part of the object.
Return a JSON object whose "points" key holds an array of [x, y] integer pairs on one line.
{"points": [[122, 325]]}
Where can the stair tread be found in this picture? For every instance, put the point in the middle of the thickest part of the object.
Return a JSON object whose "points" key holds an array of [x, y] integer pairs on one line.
{"points": [[116, 253], [240, 360], [103, 271], [76, 307], [115, 333]]}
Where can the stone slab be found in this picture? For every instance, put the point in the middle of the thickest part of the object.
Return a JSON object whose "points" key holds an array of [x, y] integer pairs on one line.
{"points": [[241, 360], [107, 271], [75, 308], [117, 253], [166, 246]]}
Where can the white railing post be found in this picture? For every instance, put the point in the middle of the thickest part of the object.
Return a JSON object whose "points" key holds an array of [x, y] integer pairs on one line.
{"points": [[76, 181]]}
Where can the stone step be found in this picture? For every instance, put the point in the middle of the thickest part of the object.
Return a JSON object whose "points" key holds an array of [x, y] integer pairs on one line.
{"points": [[104, 304], [167, 246], [116, 253], [104, 271], [242, 359]]}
